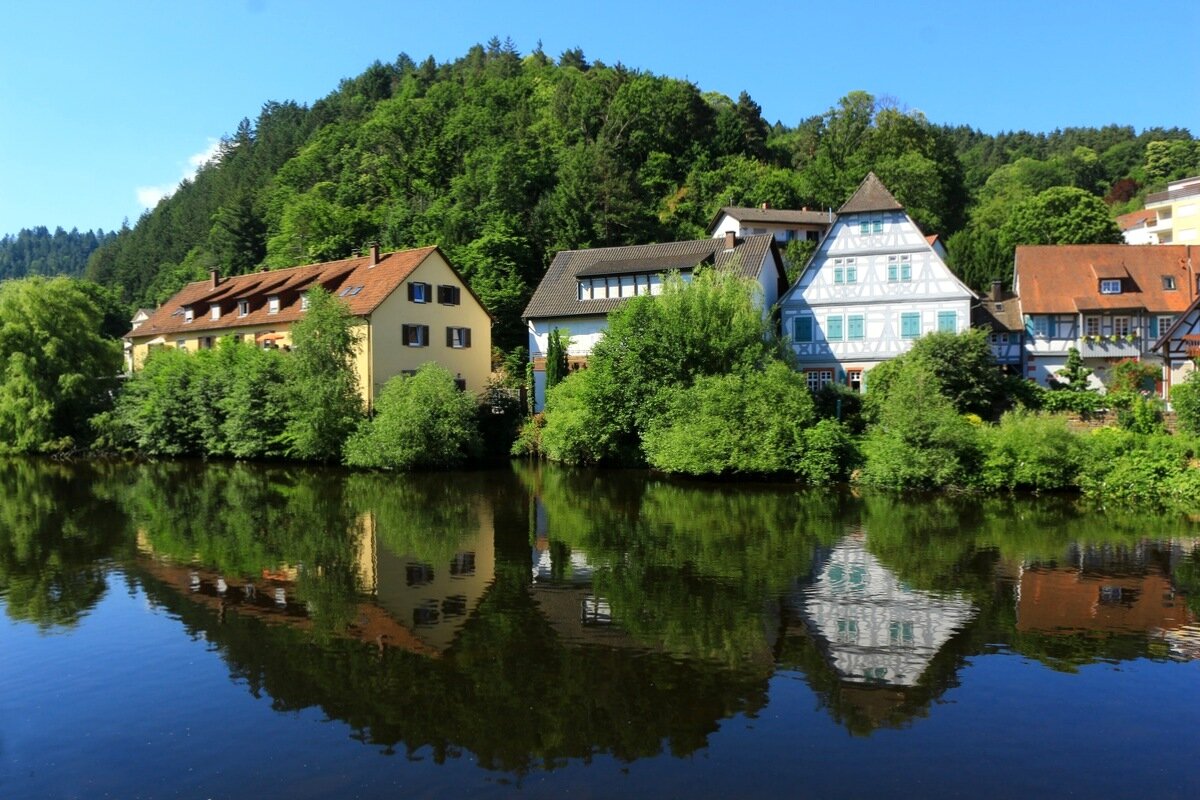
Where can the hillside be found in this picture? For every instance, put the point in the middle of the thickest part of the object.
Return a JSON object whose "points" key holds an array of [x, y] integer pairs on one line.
{"points": [[503, 159], [40, 252]]}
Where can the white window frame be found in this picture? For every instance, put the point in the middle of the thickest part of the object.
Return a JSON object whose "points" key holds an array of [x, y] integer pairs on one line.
{"points": [[273, 304], [189, 314], [1110, 286], [1122, 326], [243, 307], [1091, 325], [214, 311]]}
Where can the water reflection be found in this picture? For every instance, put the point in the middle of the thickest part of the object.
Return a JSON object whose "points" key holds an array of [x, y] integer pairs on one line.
{"points": [[534, 616]]}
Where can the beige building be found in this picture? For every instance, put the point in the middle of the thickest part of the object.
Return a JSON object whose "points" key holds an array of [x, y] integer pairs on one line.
{"points": [[1176, 215], [411, 307]]}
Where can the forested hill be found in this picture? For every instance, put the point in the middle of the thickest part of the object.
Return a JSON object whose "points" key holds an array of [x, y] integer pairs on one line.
{"points": [[39, 252], [502, 159]]}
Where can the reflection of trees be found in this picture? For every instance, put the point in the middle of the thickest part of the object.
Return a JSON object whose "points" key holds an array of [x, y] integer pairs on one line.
{"points": [[425, 516], [694, 568], [56, 538]]}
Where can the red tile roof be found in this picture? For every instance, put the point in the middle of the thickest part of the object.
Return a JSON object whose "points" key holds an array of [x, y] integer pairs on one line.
{"points": [[362, 286], [1135, 218], [1065, 279]]}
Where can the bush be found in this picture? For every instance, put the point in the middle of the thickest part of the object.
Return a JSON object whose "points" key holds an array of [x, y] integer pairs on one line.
{"points": [[1030, 451], [1141, 414], [420, 421], [1185, 399], [1062, 401], [749, 423], [920, 440], [830, 453], [156, 408], [1124, 466], [575, 430], [838, 401]]}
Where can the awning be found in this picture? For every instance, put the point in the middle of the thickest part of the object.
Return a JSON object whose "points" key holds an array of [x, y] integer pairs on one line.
{"points": [[270, 337]]}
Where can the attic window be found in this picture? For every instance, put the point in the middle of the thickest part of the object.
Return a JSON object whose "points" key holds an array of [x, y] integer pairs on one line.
{"points": [[214, 310], [188, 314], [304, 302], [273, 304], [243, 307], [1169, 283], [350, 291], [1112, 286]]}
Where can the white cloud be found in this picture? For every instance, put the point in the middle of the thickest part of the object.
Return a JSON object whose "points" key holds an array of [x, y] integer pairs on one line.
{"points": [[150, 196]]}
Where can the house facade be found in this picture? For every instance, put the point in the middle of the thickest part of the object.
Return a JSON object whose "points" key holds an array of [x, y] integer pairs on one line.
{"points": [[874, 286], [582, 286], [1176, 213], [786, 225], [410, 307], [1111, 302], [1179, 346], [999, 313]]}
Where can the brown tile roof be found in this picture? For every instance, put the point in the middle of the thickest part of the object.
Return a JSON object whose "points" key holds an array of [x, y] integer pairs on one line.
{"points": [[780, 216], [1066, 278], [1179, 320], [1134, 218], [362, 286], [557, 294], [871, 195], [998, 315]]}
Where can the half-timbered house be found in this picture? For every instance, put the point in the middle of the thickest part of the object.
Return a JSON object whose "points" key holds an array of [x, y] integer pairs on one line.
{"points": [[874, 285]]}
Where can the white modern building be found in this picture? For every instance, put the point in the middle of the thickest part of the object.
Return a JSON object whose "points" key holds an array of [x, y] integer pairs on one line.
{"points": [[874, 285]]}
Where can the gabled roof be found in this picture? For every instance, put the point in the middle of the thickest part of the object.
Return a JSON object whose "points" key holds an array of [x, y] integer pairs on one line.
{"points": [[1135, 218], [1003, 314], [557, 295], [354, 280], [778, 216], [871, 195], [1065, 278]]}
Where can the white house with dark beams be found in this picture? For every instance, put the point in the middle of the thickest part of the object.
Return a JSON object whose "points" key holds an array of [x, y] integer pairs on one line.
{"points": [[874, 285], [582, 286]]}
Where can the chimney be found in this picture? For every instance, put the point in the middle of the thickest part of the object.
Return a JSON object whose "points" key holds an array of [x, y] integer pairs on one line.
{"points": [[214, 278], [374, 254], [765, 206], [730, 240], [997, 290]]}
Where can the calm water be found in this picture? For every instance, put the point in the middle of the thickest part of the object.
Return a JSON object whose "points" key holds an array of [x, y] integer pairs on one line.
{"points": [[181, 630]]}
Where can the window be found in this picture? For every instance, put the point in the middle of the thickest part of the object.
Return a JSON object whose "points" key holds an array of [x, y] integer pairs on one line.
{"points": [[864, 228], [854, 379], [304, 302], [855, 327], [899, 268], [415, 335], [998, 338], [802, 329], [181, 344], [870, 226], [273, 304], [1164, 325], [1169, 283], [845, 270], [351, 291], [1041, 327], [1091, 326], [418, 292], [1110, 286], [418, 574], [463, 564], [243, 307], [947, 321], [835, 328], [877, 226], [910, 325], [900, 633], [449, 295], [1121, 326], [188, 314], [458, 337], [818, 378], [214, 311], [847, 631], [206, 342]]}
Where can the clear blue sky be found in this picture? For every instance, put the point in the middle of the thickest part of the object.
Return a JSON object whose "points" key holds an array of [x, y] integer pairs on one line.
{"points": [[103, 105]]}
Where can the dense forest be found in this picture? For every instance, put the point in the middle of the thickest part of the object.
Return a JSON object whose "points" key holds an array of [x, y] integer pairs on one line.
{"points": [[40, 252], [502, 159]]}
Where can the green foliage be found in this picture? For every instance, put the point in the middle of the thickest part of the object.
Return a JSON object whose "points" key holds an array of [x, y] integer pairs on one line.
{"points": [[964, 367], [419, 421], [1075, 374], [1060, 215], [1132, 377], [1061, 401], [1030, 451], [919, 440], [573, 428], [56, 368], [742, 423], [36, 251], [322, 387], [1185, 400], [557, 366], [1127, 467], [830, 453]]}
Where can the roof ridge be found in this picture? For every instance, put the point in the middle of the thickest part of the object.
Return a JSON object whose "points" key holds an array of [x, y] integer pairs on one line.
{"points": [[871, 195]]}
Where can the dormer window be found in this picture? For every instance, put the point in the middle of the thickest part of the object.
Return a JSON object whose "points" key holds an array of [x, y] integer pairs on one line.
{"points": [[304, 302], [188, 314], [1110, 286], [214, 311], [243, 307], [1169, 283], [273, 304]]}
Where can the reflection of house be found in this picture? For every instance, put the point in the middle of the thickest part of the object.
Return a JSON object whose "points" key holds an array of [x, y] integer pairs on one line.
{"points": [[873, 287], [582, 286], [1100, 591], [431, 596], [1110, 301], [411, 307], [874, 628]]}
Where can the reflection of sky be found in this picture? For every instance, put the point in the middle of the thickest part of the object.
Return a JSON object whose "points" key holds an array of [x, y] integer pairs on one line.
{"points": [[877, 629]]}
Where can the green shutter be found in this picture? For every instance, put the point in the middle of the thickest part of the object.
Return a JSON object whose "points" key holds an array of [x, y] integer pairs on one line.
{"points": [[839, 275], [948, 321], [854, 325], [910, 325], [864, 228], [833, 328], [893, 273], [802, 329], [906, 271], [851, 274]]}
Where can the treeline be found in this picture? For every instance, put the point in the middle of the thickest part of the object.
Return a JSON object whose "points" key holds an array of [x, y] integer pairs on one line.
{"points": [[503, 159], [37, 251]]}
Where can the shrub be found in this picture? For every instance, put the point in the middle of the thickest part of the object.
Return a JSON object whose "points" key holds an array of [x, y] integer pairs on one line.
{"points": [[1128, 467], [420, 421], [830, 453], [1061, 401], [1141, 414], [748, 423], [920, 441], [576, 431], [1030, 451], [156, 408], [1185, 399]]}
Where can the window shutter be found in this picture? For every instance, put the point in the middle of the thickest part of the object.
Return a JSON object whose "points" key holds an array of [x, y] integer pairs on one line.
{"points": [[424, 335], [404, 329], [1154, 327], [466, 337], [449, 337], [411, 292]]}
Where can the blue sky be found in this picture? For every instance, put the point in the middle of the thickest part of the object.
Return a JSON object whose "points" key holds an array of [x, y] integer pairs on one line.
{"points": [[104, 106]]}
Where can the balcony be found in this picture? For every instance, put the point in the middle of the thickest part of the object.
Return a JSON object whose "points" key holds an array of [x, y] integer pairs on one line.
{"points": [[1104, 347]]}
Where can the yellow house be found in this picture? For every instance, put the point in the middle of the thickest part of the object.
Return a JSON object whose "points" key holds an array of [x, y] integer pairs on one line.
{"points": [[1177, 214], [412, 307]]}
